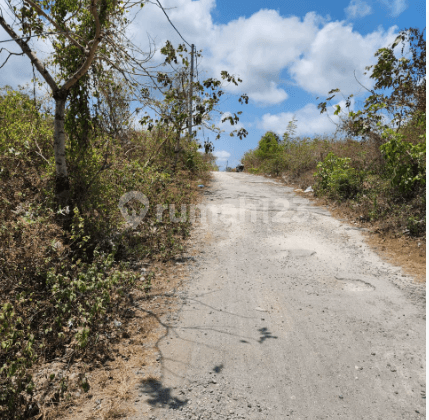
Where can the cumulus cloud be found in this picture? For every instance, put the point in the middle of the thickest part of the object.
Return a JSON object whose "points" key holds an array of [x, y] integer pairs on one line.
{"points": [[358, 9], [262, 49], [335, 54], [258, 48], [316, 54], [309, 120], [222, 155], [269, 95], [191, 18], [396, 7]]}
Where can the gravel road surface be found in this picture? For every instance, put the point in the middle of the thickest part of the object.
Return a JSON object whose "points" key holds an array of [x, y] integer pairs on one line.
{"points": [[287, 314]]}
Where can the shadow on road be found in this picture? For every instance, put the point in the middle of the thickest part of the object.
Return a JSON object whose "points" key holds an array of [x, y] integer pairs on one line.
{"points": [[218, 368], [265, 334], [160, 396]]}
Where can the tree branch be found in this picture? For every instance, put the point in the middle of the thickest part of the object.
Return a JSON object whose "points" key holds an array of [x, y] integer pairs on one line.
{"points": [[58, 27], [91, 53], [370, 91], [10, 54], [156, 152], [31, 55]]}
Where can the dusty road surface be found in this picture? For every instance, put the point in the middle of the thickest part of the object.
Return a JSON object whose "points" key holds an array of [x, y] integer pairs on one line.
{"points": [[287, 314]]}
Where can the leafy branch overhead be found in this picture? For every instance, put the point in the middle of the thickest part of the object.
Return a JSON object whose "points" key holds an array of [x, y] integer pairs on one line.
{"points": [[169, 97], [399, 90]]}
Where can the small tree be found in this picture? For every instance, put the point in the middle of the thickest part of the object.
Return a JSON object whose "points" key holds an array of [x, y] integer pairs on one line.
{"points": [[82, 32], [268, 145], [395, 108], [399, 91], [169, 98], [290, 130]]}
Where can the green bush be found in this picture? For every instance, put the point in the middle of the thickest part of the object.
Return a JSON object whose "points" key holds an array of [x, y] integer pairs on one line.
{"points": [[17, 345], [192, 159], [337, 179], [62, 305], [275, 164], [20, 116], [253, 171], [405, 162], [268, 145]]}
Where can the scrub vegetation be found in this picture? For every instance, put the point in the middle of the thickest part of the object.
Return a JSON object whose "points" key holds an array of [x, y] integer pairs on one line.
{"points": [[66, 272], [69, 262], [376, 163]]}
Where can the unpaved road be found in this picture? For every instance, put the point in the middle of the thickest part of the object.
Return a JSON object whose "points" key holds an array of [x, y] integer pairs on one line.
{"points": [[287, 315]]}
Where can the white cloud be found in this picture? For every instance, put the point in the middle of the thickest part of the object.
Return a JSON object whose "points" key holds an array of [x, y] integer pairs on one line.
{"points": [[335, 54], [318, 55], [192, 19], [258, 48], [222, 155], [396, 7], [358, 9], [309, 120], [270, 95]]}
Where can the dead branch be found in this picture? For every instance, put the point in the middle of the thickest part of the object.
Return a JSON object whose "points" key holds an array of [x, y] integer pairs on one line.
{"points": [[10, 54]]}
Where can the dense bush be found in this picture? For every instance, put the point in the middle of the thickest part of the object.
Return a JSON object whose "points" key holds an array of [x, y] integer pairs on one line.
{"points": [[294, 157], [337, 179], [405, 162]]}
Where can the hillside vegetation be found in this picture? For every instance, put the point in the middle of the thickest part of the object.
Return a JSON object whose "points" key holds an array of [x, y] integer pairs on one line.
{"points": [[70, 263], [376, 163], [65, 273]]}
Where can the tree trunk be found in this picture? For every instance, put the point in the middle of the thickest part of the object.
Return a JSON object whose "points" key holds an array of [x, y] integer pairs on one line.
{"points": [[62, 185], [176, 151]]}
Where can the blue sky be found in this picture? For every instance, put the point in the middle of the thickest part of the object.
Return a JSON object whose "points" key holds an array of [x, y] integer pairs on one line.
{"points": [[286, 52]]}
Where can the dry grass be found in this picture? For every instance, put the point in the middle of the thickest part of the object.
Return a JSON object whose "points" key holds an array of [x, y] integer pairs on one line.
{"points": [[374, 198], [408, 253]]}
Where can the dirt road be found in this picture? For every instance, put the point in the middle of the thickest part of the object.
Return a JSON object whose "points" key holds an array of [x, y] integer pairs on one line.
{"points": [[287, 314]]}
